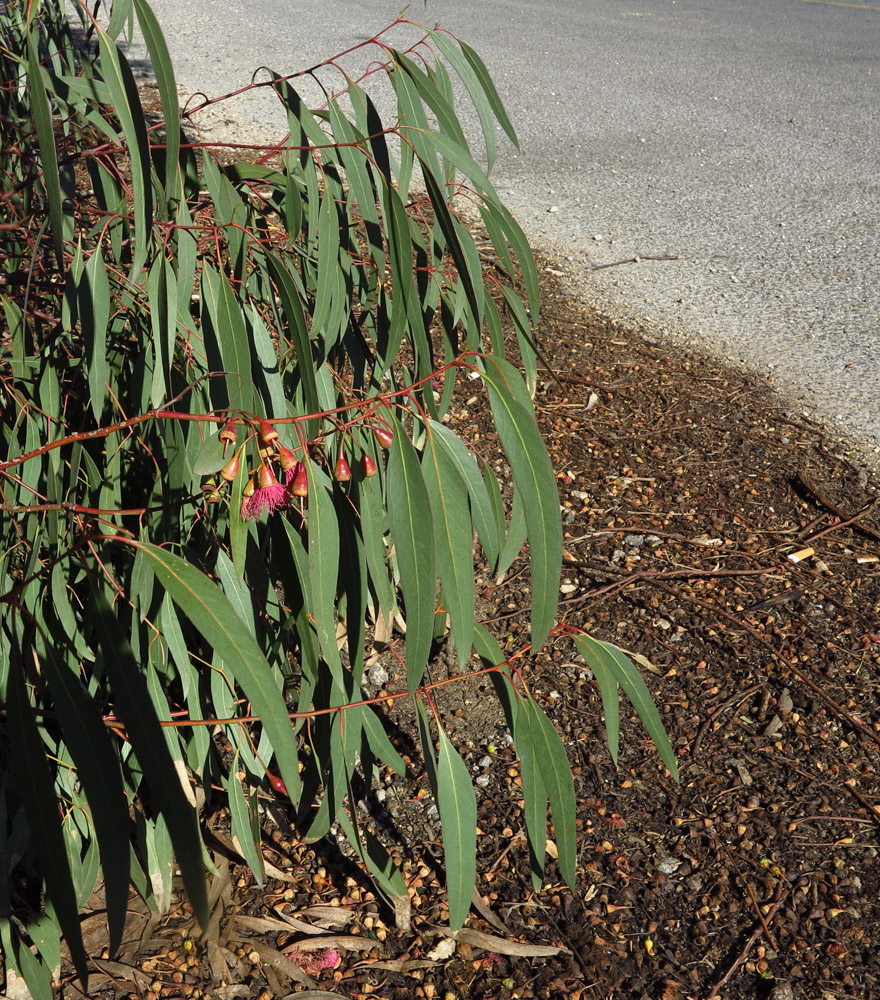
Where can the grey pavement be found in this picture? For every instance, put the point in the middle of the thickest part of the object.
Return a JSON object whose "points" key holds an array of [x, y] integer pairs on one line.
{"points": [[741, 135]]}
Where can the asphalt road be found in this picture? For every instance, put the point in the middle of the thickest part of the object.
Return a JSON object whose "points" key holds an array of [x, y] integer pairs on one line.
{"points": [[742, 135]]}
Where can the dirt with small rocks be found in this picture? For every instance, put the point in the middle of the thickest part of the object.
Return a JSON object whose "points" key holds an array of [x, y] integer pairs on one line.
{"points": [[734, 548]]}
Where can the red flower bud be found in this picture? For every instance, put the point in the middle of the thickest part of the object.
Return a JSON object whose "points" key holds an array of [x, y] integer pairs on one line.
{"points": [[368, 466], [277, 783], [249, 488], [266, 433], [342, 472], [300, 485], [384, 436], [229, 472]]}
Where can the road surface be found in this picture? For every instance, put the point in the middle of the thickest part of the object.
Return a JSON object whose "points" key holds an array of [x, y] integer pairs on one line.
{"points": [[741, 135]]}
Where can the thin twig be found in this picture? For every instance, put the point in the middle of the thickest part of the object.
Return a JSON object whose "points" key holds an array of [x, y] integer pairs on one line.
{"points": [[636, 260], [744, 954], [812, 489]]}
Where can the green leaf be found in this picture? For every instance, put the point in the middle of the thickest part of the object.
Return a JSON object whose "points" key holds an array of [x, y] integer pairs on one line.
{"points": [[460, 245], [458, 817], [36, 975], [238, 527], [481, 508], [475, 88], [412, 529], [453, 533], [296, 326], [482, 74], [127, 105], [46, 139], [228, 327], [533, 477], [210, 457], [209, 610], [162, 292], [160, 61], [556, 776], [612, 666], [534, 790], [238, 594], [36, 788], [134, 706], [323, 569], [377, 738], [243, 823], [517, 533], [95, 315]]}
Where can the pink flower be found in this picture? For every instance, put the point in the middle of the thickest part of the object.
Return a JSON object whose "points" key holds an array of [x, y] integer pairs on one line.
{"points": [[270, 495]]}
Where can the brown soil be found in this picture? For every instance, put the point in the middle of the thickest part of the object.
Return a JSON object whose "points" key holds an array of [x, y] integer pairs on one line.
{"points": [[686, 493]]}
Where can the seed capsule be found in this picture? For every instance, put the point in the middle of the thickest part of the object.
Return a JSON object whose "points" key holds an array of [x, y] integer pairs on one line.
{"points": [[267, 433], [228, 432]]}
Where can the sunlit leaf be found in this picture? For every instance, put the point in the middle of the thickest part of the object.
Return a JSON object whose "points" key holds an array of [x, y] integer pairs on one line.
{"points": [[556, 777], [453, 534], [534, 478], [409, 515], [612, 667], [458, 817]]}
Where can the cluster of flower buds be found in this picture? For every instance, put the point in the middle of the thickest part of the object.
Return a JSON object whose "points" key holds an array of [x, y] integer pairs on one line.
{"points": [[264, 491]]}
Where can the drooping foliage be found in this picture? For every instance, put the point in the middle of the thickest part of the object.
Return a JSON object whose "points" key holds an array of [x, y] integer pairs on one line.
{"points": [[224, 465]]}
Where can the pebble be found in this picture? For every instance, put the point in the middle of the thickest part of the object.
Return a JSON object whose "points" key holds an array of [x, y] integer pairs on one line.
{"points": [[378, 675], [785, 704]]}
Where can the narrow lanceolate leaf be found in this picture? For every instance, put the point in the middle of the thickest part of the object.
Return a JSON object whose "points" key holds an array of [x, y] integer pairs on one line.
{"points": [[160, 60], [597, 658], [412, 530], [231, 335], [242, 823], [467, 265], [323, 568], [605, 658], [46, 140], [534, 790], [481, 507], [475, 89], [458, 817], [95, 314], [556, 775], [127, 105], [533, 476], [482, 74], [291, 307], [208, 608], [97, 766], [133, 704], [36, 788], [453, 534]]}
